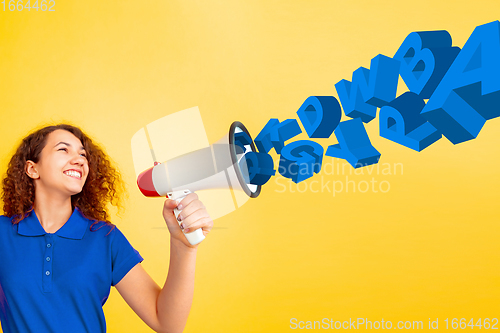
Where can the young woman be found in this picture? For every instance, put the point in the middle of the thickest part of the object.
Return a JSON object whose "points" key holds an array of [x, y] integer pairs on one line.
{"points": [[59, 253]]}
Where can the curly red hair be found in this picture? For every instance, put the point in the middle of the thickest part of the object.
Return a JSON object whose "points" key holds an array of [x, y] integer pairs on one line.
{"points": [[103, 185]]}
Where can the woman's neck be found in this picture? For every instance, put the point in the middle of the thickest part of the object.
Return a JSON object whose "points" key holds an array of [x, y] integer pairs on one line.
{"points": [[52, 212]]}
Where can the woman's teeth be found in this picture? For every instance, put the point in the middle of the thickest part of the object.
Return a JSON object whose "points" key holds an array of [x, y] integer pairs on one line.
{"points": [[72, 173]]}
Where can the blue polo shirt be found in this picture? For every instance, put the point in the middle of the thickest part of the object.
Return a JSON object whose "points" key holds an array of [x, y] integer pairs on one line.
{"points": [[58, 282]]}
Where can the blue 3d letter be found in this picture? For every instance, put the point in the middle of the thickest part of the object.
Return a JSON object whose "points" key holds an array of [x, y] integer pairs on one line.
{"points": [[354, 144], [469, 94], [401, 122], [300, 160], [369, 89], [320, 115], [425, 57]]}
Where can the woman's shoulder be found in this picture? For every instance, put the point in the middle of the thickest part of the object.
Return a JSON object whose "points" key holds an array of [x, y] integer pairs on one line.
{"points": [[97, 227], [5, 219], [102, 227], [6, 224]]}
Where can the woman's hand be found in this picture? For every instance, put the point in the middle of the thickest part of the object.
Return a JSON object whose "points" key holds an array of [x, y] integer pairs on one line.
{"points": [[193, 216]]}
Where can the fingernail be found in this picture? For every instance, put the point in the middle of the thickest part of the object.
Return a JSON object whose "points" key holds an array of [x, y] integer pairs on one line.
{"points": [[179, 218], [186, 230], [182, 226], [179, 206]]}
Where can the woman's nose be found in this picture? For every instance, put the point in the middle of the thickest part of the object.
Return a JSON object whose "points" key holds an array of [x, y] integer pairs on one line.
{"points": [[78, 159]]}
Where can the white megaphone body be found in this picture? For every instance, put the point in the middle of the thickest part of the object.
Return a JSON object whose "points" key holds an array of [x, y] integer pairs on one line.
{"points": [[221, 165]]}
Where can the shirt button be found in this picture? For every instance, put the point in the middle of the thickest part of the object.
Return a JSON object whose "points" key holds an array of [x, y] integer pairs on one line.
{"points": [[48, 245], [47, 273], [48, 258]]}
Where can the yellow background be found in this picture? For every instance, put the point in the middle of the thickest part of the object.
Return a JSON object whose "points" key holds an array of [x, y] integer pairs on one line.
{"points": [[428, 248]]}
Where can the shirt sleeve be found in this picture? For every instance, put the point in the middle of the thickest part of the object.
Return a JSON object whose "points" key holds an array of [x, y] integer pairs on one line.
{"points": [[124, 256]]}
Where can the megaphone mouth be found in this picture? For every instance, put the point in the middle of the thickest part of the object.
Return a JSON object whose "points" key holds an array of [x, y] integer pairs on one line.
{"points": [[251, 190]]}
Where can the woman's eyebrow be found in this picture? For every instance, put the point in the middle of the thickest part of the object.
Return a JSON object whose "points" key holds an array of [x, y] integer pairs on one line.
{"points": [[64, 143], [67, 144]]}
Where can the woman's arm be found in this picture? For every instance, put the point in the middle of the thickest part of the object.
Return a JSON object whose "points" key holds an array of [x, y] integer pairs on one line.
{"points": [[166, 309]]}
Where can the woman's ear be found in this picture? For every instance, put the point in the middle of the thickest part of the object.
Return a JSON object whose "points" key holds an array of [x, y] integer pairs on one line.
{"points": [[31, 170]]}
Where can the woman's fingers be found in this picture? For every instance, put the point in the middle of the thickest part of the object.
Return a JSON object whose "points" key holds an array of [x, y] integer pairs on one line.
{"points": [[191, 197], [170, 220], [193, 215], [205, 224], [197, 219], [169, 205], [192, 207], [168, 210]]}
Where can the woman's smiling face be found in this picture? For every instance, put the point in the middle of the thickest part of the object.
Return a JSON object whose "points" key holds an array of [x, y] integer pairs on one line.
{"points": [[62, 166]]}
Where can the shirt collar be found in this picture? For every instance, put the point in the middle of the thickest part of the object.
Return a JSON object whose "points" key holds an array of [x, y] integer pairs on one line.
{"points": [[74, 228]]}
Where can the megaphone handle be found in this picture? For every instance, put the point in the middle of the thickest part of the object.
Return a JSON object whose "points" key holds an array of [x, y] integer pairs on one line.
{"points": [[196, 236]]}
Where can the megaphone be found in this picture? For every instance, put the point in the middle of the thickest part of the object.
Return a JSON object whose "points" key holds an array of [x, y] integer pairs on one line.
{"points": [[219, 166]]}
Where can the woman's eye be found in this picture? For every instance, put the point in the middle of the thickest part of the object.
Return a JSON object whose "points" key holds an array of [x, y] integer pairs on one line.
{"points": [[65, 149], [84, 155]]}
